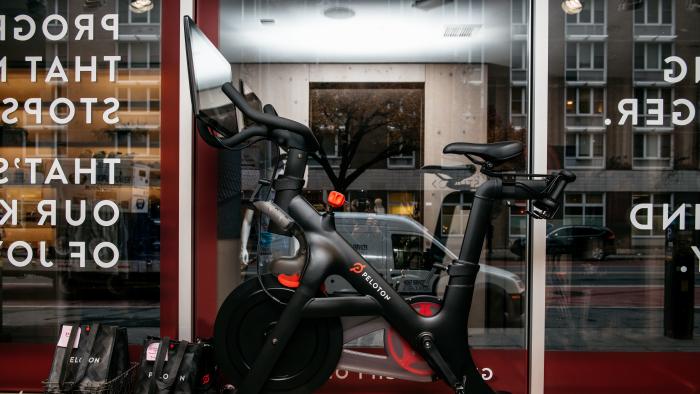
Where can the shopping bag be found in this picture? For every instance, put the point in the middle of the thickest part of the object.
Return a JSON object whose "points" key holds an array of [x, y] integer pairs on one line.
{"points": [[177, 367], [87, 356]]}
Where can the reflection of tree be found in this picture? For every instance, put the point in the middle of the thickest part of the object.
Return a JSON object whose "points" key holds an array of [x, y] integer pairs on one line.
{"points": [[502, 130], [362, 125]]}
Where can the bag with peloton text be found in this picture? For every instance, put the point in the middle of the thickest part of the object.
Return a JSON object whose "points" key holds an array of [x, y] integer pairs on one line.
{"points": [[86, 357], [176, 367]]}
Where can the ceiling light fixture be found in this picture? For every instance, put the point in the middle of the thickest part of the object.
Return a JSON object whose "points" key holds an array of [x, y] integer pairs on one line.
{"points": [[141, 6], [339, 13], [267, 21], [572, 7], [427, 5], [461, 30]]}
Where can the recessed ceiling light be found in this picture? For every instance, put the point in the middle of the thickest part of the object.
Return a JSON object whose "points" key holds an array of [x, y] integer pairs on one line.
{"points": [[572, 7], [267, 21], [339, 13]]}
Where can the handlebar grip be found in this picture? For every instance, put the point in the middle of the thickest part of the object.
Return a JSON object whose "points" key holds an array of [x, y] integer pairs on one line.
{"points": [[269, 109], [276, 214], [565, 177], [549, 203]]}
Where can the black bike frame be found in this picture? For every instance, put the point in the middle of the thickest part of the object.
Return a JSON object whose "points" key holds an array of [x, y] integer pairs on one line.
{"points": [[331, 254]]}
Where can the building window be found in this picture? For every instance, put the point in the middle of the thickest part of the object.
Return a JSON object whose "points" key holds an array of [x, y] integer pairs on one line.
{"points": [[517, 219], [518, 107], [128, 17], [652, 149], [59, 7], [329, 145], [592, 13], [585, 61], [654, 12], [363, 126], [584, 149], [519, 9], [585, 101], [643, 107], [139, 54], [519, 62], [649, 56], [405, 159], [584, 209], [657, 200]]}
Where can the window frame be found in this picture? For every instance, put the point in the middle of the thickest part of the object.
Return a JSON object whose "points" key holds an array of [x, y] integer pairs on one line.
{"points": [[583, 205]]}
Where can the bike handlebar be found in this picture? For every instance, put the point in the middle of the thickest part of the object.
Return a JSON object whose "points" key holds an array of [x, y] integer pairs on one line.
{"points": [[549, 202], [269, 118]]}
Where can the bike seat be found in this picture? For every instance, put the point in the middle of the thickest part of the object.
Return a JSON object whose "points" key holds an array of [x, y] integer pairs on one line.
{"points": [[494, 153]]}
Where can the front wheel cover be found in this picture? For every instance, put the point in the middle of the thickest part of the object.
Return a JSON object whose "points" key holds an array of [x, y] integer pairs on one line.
{"points": [[245, 319]]}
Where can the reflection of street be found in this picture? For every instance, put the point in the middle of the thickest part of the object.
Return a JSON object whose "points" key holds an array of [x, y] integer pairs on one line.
{"points": [[31, 308], [616, 304]]}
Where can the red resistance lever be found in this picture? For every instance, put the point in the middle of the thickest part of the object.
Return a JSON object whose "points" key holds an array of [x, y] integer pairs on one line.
{"points": [[291, 281], [335, 199]]}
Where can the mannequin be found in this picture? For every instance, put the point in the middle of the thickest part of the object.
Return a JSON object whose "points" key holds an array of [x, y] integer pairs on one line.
{"points": [[379, 206], [267, 241]]}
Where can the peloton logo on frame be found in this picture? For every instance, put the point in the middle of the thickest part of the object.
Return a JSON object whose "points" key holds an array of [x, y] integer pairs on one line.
{"points": [[359, 268]]}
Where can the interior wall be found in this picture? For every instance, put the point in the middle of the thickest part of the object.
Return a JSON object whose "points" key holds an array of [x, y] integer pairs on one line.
{"points": [[456, 96], [455, 103]]}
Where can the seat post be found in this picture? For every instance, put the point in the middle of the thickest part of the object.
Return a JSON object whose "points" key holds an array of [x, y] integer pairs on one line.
{"points": [[479, 221]]}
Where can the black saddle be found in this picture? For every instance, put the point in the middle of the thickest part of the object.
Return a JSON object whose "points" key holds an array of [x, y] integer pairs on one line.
{"points": [[494, 153]]}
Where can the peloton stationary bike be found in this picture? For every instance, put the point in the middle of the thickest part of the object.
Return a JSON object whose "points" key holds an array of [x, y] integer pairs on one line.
{"points": [[280, 332]]}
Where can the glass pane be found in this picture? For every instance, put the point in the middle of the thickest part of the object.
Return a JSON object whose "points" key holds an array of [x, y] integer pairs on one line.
{"points": [[653, 53], [667, 11], [385, 86], [599, 53], [652, 7], [639, 56], [599, 11], [102, 157], [584, 145], [571, 101], [585, 53], [621, 283], [571, 55], [585, 15], [584, 104], [599, 101]]}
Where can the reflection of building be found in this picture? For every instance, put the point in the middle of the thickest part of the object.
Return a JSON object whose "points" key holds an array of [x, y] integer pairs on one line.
{"points": [[605, 55], [135, 138]]}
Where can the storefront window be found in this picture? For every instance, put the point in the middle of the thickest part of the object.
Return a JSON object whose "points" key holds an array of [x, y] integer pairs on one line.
{"points": [[79, 137], [621, 273], [385, 87]]}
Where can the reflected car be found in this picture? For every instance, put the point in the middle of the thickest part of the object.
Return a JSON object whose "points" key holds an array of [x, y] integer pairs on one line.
{"points": [[581, 242], [403, 251]]}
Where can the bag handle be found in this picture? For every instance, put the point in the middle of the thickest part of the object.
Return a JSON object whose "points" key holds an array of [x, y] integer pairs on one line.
{"points": [[176, 361], [85, 352], [158, 366], [66, 355]]}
